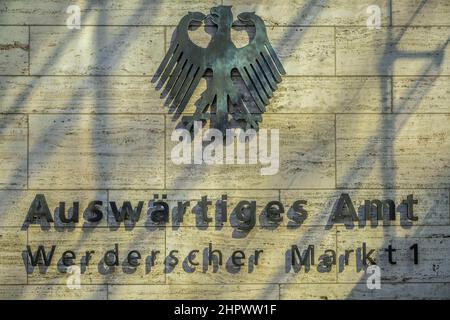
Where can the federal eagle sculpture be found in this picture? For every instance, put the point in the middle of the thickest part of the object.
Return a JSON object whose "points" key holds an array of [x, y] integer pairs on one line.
{"points": [[186, 63]]}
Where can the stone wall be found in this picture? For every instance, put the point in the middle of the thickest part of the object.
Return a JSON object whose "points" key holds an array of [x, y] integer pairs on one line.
{"points": [[361, 111]]}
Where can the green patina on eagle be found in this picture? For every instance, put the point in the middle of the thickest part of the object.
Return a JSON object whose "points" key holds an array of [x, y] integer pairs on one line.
{"points": [[186, 63]]}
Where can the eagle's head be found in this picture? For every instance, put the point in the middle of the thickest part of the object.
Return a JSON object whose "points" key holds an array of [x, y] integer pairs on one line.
{"points": [[222, 16]]}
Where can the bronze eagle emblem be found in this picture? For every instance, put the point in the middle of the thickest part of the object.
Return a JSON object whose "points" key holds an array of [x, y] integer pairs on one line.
{"points": [[186, 63]]}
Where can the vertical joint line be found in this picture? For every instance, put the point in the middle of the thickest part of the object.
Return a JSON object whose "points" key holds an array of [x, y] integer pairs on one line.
{"points": [[335, 150], [107, 207], [392, 93], [165, 39], [29, 50], [390, 13], [165, 153], [28, 151], [165, 253], [28, 258], [335, 52], [336, 247]]}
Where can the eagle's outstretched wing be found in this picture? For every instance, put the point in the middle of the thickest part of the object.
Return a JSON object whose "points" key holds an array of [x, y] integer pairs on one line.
{"points": [[258, 64], [183, 66]]}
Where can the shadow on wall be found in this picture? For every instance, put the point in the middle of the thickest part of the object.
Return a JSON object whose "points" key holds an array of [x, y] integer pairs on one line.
{"points": [[291, 38], [384, 67], [18, 105]]}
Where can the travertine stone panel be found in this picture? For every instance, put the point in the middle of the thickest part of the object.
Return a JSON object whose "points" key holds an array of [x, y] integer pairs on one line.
{"points": [[421, 94], [393, 151], [304, 12], [353, 291], [393, 51], [13, 263], [421, 13], [13, 151], [97, 94], [194, 292], [53, 292], [330, 95], [131, 12], [92, 151], [306, 159], [101, 50], [14, 49]]}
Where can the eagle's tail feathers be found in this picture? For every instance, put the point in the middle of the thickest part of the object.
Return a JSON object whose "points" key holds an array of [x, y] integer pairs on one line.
{"points": [[257, 85], [176, 88], [262, 79], [163, 64], [275, 58], [187, 83], [191, 89], [175, 75], [252, 90], [170, 65], [270, 64], [267, 73]]}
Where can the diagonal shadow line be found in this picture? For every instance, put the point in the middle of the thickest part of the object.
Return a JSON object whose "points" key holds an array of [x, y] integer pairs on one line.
{"points": [[74, 96], [292, 37], [362, 159], [307, 9], [72, 100], [388, 123], [384, 89], [387, 141], [410, 20], [101, 165], [18, 105], [83, 235], [101, 162], [290, 40], [384, 68]]}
